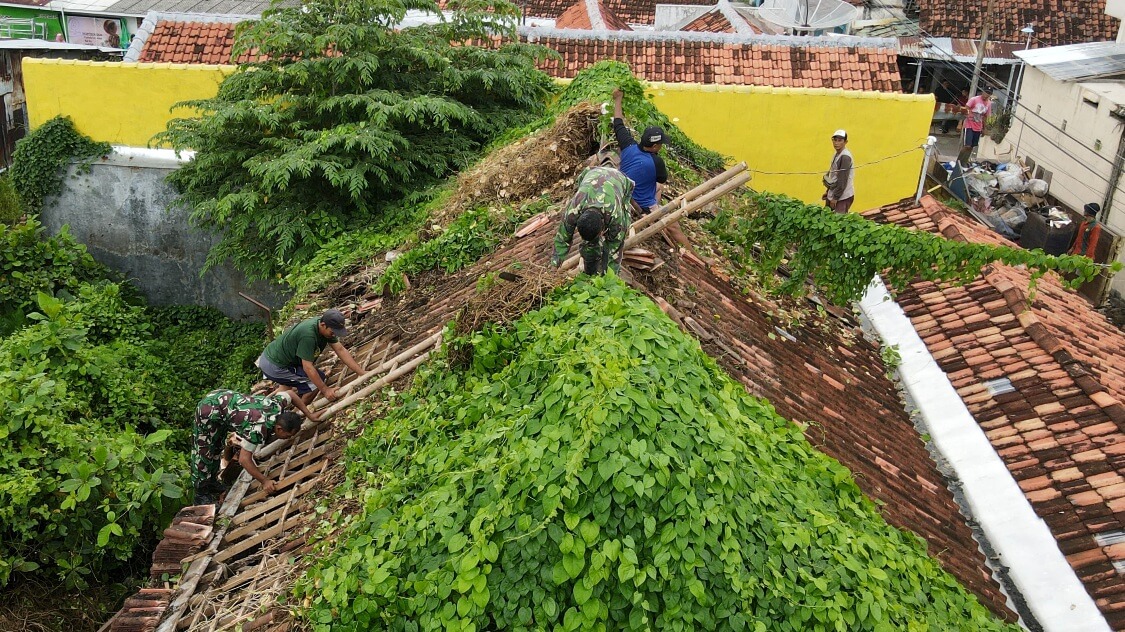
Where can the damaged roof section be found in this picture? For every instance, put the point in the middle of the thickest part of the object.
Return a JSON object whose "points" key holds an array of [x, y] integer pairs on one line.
{"points": [[1041, 373]]}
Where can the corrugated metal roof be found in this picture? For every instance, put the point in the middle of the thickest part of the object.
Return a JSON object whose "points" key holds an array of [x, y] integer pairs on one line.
{"points": [[957, 49], [1078, 62]]}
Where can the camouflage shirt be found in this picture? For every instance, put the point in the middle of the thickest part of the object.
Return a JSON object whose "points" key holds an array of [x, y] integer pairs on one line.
{"points": [[251, 417], [607, 190]]}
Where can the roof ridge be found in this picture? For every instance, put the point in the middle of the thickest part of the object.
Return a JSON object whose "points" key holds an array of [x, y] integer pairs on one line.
{"points": [[1019, 302]]}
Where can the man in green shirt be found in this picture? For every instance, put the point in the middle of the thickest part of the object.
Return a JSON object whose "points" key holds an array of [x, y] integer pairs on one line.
{"points": [[290, 360]]}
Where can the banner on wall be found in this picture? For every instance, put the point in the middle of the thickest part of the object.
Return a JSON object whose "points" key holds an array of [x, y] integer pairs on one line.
{"points": [[105, 32]]}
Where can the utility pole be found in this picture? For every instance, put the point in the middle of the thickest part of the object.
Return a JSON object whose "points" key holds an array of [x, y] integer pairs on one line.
{"points": [[983, 44]]}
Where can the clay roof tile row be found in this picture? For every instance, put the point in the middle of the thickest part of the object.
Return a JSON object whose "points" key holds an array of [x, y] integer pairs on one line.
{"points": [[1056, 22], [1061, 432], [781, 65]]}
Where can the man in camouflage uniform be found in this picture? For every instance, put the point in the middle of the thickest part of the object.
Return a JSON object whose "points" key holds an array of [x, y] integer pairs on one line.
{"points": [[253, 418], [600, 213]]}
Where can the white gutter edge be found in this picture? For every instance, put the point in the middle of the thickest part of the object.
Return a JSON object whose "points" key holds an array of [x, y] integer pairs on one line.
{"points": [[1022, 541]]}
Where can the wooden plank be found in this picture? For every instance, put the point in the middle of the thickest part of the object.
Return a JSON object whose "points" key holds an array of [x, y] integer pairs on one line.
{"points": [[190, 579], [250, 543], [285, 483], [253, 512]]}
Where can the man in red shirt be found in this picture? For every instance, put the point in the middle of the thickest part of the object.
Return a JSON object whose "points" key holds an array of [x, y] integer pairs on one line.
{"points": [[977, 111]]}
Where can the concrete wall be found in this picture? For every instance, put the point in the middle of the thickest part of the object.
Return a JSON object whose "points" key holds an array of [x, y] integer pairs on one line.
{"points": [[123, 104], [120, 210], [772, 129], [784, 135], [1075, 139]]}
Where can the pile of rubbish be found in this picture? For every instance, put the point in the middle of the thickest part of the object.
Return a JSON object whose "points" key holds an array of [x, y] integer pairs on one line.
{"points": [[1010, 203]]}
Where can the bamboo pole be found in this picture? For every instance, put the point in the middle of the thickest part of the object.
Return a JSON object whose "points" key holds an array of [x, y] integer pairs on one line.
{"points": [[383, 366], [667, 217], [687, 196], [675, 215]]}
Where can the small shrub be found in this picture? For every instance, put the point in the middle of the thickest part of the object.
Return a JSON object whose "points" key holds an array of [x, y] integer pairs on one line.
{"points": [[10, 208]]}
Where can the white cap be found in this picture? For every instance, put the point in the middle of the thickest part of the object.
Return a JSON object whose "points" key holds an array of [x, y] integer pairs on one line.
{"points": [[841, 133]]}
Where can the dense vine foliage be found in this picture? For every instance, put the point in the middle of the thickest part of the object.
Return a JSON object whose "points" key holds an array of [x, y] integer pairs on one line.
{"points": [[32, 262], [41, 158], [96, 398], [90, 473], [472, 235], [597, 83], [842, 253], [342, 114], [11, 209], [593, 469]]}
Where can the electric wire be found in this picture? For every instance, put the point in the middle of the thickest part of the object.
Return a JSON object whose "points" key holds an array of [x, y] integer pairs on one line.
{"points": [[822, 171], [1016, 102]]}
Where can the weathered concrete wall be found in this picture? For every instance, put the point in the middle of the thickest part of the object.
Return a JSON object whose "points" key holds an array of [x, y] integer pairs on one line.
{"points": [[121, 210]]}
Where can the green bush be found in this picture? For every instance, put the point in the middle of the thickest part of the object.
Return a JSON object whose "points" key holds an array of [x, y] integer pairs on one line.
{"points": [[10, 208], [82, 485], [205, 349], [31, 263], [593, 469], [41, 158]]}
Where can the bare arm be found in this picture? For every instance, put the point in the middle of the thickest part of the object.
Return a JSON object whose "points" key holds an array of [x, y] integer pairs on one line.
{"points": [[314, 377], [246, 460], [617, 111], [346, 356], [300, 404]]}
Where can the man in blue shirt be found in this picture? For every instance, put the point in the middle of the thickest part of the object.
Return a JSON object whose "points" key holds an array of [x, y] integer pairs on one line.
{"points": [[641, 163]]}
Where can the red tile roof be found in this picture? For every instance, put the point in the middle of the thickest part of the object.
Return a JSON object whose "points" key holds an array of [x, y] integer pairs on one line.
{"points": [[1056, 22], [192, 43], [820, 65], [1061, 433], [723, 62], [714, 21], [590, 15], [632, 11]]}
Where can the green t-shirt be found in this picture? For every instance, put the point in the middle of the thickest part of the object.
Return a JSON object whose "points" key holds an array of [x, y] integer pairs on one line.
{"points": [[300, 342]]}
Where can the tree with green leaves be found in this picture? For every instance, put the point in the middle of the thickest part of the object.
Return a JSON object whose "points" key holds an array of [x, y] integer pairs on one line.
{"points": [[342, 113]]}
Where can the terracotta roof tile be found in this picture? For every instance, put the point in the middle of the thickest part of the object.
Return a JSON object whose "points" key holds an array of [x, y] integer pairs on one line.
{"points": [[584, 14], [1063, 358], [714, 21], [652, 59], [1055, 23]]}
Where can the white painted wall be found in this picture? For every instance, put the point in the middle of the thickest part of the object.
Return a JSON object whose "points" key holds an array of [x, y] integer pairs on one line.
{"points": [[1075, 140]]}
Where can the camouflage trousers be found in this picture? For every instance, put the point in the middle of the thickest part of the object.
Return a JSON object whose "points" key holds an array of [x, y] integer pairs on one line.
{"points": [[208, 438]]}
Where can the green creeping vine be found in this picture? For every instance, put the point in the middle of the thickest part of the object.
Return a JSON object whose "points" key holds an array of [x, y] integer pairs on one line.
{"points": [[41, 157], [597, 84], [593, 469], [472, 235], [841, 253]]}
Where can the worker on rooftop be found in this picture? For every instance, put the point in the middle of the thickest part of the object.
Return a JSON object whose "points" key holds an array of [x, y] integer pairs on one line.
{"points": [[254, 419], [599, 211], [640, 162], [290, 360]]}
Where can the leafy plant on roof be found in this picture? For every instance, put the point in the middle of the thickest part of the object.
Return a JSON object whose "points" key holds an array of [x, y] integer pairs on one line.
{"points": [[342, 114], [840, 254], [597, 83], [593, 469]]}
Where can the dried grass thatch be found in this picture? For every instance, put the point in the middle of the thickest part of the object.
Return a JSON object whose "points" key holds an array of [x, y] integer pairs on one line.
{"points": [[507, 297], [529, 167]]}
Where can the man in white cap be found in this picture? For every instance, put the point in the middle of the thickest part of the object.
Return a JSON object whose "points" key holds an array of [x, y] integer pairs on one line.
{"points": [[839, 180]]}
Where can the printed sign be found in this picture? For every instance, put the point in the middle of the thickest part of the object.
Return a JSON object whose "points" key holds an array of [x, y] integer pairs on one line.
{"points": [[94, 31]]}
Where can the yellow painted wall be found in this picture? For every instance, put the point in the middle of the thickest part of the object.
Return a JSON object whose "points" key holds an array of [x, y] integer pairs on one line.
{"points": [[787, 130], [780, 130], [123, 104]]}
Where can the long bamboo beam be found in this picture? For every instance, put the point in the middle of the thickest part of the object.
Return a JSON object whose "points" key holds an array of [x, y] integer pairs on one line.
{"points": [[687, 196], [669, 214]]}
